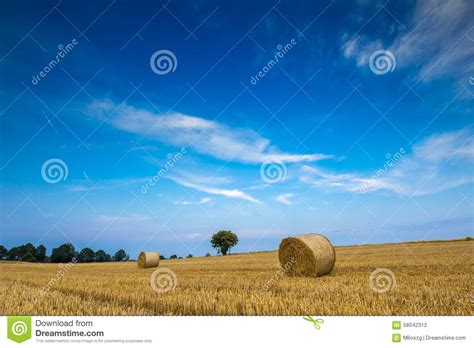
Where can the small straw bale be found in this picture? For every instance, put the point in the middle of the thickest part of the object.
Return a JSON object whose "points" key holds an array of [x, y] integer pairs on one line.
{"points": [[148, 259], [308, 255]]}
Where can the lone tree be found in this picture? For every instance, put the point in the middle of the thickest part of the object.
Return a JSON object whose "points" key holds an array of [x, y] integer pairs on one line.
{"points": [[223, 241]]}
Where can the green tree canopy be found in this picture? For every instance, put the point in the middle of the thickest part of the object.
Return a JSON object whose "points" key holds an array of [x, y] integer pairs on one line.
{"points": [[13, 254], [223, 241], [40, 253], [26, 252], [102, 256], [3, 252], [63, 254], [120, 255], [86, 255]]}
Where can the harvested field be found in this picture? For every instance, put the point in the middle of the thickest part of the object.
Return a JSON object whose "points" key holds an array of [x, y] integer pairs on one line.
{"points": [[432, 278]]}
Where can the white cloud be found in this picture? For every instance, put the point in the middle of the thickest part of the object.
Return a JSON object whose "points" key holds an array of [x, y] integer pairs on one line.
{"points": [[443, 146], [258, 187], [123, 218], [440, 162], [361, 50], [103, 184], [348, 181], [191, 236], [233, 193], [201, 201], [285, 199], [205, 136], [145, 148], [437, 40]]}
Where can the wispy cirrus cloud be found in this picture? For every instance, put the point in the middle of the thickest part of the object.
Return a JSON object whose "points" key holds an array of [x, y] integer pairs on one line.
{"points": [[440, 162], [200, 202], [192, 236], [204, 136], [230, 193], [437, 41], [360, 49], [351, 182], [123, 218], [104, 184], [285, 199]]}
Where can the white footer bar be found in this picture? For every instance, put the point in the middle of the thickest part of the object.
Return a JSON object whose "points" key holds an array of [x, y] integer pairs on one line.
{"points": [[236, 331]]}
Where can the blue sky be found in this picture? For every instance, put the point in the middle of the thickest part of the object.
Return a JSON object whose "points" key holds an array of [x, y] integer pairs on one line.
{"points": [[152, 156]]}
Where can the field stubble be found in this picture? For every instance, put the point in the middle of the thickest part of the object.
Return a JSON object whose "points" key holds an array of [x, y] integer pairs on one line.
{"points": [[431, 279]]}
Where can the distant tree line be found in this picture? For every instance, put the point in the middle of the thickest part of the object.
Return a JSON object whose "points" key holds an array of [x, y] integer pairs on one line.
{"points": [[62, 254], [223, 241], [27, 252]]}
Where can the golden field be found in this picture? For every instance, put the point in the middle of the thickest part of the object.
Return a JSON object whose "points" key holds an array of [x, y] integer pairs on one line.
{"points": [[432, 278]]}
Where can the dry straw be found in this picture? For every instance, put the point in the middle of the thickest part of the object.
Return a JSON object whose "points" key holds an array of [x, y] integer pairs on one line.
{"points": [[314, 255], [148, 259]]}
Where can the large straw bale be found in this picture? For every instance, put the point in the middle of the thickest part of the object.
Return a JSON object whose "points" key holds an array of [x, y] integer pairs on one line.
{"points": [[148, 259], [308, 255]]}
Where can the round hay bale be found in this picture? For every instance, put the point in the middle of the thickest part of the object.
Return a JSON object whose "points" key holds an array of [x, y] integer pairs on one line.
{"points": [[309, 255], [148, 259]]}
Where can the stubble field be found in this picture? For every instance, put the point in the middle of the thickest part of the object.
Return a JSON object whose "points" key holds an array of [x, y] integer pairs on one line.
{"points": [[432, 278]]}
